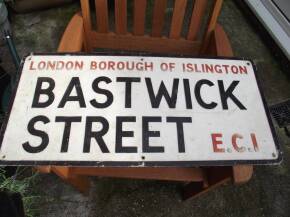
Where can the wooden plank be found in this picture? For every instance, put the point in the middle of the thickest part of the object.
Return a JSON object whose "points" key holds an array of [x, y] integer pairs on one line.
{"points": [[196, 18], [177, 19], [164, 173], [158, 17], [121, 16], [102, 16], [211, 48], [144, 43], [211, 25], [87, 23], [139, 17], [86, 14]]}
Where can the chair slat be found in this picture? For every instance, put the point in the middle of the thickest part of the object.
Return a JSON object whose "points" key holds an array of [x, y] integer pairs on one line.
{"points": [[121, 16], [102, 16], [139, 17], [177, 18], [86, 14], [145, 43], [158, 17], [87, 23], [196, 18], [211, 25]]}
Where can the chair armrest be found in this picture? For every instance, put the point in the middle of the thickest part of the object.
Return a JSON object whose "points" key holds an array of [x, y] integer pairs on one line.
{"points": [[73, 38], [72, 41], [241, 173], [222, 42]]}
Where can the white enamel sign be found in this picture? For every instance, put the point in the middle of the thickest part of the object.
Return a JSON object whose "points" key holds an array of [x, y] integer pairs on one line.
{"points": [[137, 111]]}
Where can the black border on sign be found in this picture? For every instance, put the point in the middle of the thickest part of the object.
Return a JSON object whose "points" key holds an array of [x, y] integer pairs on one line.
{"points": [[142, 163]]}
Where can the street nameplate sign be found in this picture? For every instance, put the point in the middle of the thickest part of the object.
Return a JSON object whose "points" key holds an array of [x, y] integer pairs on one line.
{"points": [[100, 110]]}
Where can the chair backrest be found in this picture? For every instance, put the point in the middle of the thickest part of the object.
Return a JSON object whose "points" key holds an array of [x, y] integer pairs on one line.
{"points": [[100, 36]]}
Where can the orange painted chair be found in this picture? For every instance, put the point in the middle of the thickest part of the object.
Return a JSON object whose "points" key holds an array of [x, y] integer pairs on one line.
{"points": [[82, 35]]}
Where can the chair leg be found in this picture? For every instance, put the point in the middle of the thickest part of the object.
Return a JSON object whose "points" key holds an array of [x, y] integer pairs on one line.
{"points": [[43, 169], [81, 183], [216, 176], [192, 189], [242, 173]]}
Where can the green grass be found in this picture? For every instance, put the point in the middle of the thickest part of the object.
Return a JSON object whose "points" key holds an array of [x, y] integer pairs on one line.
{"points": [[21, 182]]}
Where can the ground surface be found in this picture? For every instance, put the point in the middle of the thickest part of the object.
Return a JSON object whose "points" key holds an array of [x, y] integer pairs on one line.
{"points": [[268, 192]]}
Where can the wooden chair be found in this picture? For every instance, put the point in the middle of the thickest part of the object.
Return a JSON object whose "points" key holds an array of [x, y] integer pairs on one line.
{"points": [[81, 36]]}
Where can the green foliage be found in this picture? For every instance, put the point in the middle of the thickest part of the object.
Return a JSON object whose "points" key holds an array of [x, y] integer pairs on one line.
{"points": [[21, 183]]}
